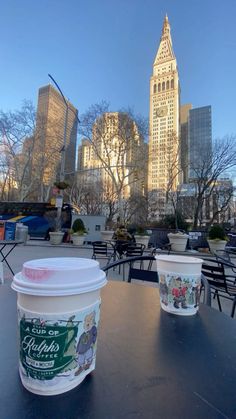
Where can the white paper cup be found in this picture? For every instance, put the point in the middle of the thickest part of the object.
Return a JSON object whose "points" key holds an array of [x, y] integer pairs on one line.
{"points": [[58, 313], [180, 283]]}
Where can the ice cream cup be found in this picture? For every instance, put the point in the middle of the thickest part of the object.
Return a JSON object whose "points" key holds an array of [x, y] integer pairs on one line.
{"points": [[179, 283], [58, 301]]}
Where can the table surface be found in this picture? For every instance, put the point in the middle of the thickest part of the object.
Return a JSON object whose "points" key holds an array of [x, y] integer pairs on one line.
{"points": [[11, 242], [150, 364]]}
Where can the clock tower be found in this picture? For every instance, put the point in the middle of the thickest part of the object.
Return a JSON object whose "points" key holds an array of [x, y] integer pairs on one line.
{"points": [[164, 126]]}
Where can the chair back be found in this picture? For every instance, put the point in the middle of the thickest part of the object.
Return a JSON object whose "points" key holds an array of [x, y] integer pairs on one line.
{"points": [[134, 249], [100, 249], [136, 273], [213, 271], [227, 256]]}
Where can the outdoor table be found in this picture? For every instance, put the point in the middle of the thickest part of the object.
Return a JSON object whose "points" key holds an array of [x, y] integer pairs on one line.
{"points": [[6, 247], [150, 364]]}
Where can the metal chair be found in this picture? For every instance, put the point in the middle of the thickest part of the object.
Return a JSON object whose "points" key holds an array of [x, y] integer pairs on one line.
{"points": [[221, 284], [135, 273], [103, 250], [228, 256]]}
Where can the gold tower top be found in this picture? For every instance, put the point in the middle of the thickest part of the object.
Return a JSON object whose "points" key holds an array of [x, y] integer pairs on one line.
{"points": [[166, 27]]}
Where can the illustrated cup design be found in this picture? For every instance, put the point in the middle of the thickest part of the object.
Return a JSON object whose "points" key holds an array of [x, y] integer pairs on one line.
{"points": [[179, 283]]}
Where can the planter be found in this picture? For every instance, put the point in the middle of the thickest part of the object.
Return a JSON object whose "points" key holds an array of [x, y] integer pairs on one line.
{"points": [[216, 245], [178, 241], [142, 239], [107, 235], [56, 237], [77, 239]]}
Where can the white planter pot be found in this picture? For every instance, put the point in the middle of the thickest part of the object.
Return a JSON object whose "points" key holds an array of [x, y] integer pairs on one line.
{"points": [[142, 239], [78, 240], [216, 245], [107, 235], [178, 241], [56, 237]]}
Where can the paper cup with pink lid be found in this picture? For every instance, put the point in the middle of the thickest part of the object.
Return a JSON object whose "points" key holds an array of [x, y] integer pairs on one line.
{"points": [[58, 302]]}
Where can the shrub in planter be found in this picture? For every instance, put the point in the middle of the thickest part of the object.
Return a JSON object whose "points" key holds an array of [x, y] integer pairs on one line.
{"points": [[78, 227], [78, 232], [217, 238], [216, 232]]}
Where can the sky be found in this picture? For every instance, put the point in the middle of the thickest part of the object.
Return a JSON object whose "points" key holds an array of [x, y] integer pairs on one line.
{"points": [[104, 50]]}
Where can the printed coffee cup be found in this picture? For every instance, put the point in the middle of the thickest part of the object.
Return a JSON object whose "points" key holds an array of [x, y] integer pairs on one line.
{"points": [[179, 283], [58, 313]]}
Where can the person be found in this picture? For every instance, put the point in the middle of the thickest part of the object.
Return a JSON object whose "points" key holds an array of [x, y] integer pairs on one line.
{"points": [[121, 233], [122, 237]]}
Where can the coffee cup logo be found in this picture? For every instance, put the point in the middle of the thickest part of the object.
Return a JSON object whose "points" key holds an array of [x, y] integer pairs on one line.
{"points": [[47, 350]]}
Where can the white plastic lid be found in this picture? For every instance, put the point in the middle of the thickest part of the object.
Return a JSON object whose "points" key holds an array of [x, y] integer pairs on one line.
{"points": [[178, 259], [59, 276]]}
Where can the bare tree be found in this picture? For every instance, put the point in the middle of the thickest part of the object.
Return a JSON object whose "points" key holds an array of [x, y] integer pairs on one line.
{"points": [[173, 186], [25, 166], [117, 142], [207, 175], [16, 130]]}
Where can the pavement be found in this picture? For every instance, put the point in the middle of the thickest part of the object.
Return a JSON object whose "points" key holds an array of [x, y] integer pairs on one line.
{"points": [[40, 249]]}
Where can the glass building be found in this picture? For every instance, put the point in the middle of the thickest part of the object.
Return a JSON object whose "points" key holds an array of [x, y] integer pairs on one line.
{"points": [[199, 139]]}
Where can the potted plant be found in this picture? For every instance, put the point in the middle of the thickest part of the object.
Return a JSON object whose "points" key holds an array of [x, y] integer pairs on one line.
{"points": [[56, 235], [108, 233], [178, 238], [217, 238], [78, 232], [142, 236], [178, 241]]}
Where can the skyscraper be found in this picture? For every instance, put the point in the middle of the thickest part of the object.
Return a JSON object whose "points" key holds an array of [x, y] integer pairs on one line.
{"points": [[184, 130], [199, 139], [164, 153], [49, 139]]}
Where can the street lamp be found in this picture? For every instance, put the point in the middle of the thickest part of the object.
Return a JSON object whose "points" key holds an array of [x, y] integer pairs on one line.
{"points": [[59, 200]]}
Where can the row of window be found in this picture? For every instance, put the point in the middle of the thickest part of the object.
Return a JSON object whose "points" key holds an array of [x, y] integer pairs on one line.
{"points": [[163, 86]]}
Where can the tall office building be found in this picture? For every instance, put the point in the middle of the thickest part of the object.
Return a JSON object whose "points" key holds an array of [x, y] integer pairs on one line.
{"points": [[49, 138], [196, 140], [199, 139], [184, 145]]}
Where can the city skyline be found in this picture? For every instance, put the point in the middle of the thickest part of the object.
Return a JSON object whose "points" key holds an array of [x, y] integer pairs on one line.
{"points": [[105, 51]]}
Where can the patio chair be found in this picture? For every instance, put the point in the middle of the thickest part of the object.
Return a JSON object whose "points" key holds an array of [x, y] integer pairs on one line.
{"points": [[222, 285], [135, 249], [135, 273], [103, 250], [228, 256]]}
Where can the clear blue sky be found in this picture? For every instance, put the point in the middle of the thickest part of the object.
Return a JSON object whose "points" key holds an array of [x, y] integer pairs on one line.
{"points": [[104, 50]]}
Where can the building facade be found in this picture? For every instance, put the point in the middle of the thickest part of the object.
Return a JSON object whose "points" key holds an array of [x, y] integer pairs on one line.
{"points": [[199, 139], [184, 136], [49, 149], [196, 140], [115, 158], [164, 120]]}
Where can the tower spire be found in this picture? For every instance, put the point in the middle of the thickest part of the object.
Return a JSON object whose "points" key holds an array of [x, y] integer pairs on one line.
{"points": [[165, 51], [166, 26]]}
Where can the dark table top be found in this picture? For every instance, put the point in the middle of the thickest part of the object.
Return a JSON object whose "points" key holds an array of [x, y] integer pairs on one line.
{"points": [[150, 364]]}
